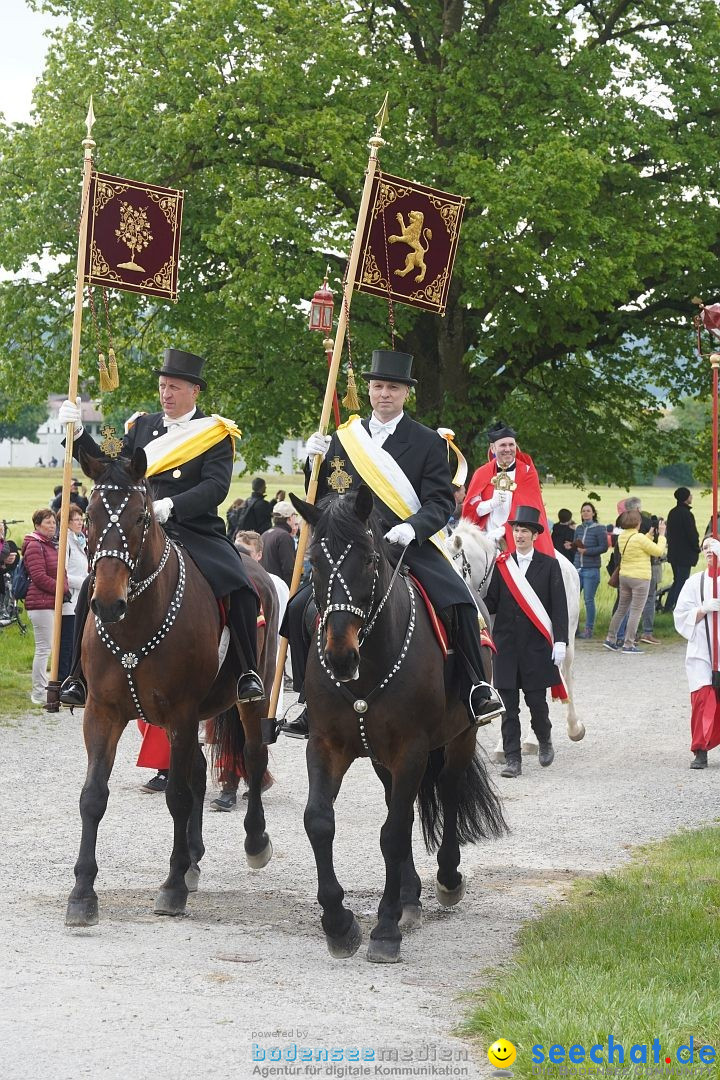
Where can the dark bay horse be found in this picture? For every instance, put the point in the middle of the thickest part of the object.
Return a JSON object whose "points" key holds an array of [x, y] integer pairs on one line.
{"points": [[151, 651], [375, 687]]}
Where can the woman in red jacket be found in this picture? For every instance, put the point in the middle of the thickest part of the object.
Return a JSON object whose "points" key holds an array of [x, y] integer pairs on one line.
{"points": [[39, 551]]}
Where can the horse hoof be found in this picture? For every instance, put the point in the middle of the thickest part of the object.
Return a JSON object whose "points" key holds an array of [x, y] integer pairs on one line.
{"points": [[381, 951], [450, 897], [82, 912], [192, 878], [530, 747], [347, 945], [411, 917], [256, 862], [169, 903], [578, 732]]}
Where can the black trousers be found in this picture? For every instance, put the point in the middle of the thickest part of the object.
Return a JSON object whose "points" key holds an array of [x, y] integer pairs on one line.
{"points": [[536, 701], [242, 616]]}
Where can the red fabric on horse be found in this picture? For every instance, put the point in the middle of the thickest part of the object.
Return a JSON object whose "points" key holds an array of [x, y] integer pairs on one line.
{"points": [[438, 626], [155, 749]]}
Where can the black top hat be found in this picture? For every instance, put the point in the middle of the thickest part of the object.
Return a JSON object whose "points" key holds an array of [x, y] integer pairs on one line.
{"points": [[183, 365], [529, 517], [500, 431], [391, 367]]}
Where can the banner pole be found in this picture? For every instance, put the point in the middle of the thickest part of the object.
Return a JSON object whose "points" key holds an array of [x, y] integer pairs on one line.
{"points": [[374, 143], [53, 693]]}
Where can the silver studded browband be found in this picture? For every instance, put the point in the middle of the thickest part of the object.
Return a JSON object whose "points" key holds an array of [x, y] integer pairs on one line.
{"points": [[123, 552]]}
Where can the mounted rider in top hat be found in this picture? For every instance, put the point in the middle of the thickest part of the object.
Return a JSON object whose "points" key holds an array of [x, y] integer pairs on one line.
{"points": [[187, 492], [413, 462]]}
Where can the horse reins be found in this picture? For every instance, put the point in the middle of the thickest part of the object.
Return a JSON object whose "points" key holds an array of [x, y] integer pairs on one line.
{"points": [[466, 572]]}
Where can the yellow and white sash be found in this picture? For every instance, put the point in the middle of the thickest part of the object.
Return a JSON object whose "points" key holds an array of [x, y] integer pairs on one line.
{"points": [[382, 474], [181, 444]]}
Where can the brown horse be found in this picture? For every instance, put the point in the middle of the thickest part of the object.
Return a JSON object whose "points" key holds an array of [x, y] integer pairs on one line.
{"points": [[375, 687], [151, 651]]}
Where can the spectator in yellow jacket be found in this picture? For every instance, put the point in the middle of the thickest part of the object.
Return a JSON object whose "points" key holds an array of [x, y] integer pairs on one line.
{"points": [[635, 550]]}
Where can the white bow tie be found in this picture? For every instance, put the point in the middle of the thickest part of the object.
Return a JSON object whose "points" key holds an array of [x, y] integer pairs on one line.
{"points": [[376, 427], [169, 423]]}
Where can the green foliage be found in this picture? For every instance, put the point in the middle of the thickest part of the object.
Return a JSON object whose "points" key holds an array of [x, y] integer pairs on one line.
{"points": [[584, 136], [20, 421]]}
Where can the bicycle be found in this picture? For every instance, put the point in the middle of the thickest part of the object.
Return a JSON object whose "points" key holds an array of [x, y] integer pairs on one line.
{"points": [[10, 610]]}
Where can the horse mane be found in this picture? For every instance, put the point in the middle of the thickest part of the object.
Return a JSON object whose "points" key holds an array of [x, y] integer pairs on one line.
{"points": [[339, 524]]}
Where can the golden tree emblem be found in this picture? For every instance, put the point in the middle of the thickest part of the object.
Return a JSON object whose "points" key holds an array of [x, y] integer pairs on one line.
{"points": [[135, 232]]}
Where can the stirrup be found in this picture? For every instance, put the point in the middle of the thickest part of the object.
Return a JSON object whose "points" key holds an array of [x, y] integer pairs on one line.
{"points": [[250, 687], [490, 709]]}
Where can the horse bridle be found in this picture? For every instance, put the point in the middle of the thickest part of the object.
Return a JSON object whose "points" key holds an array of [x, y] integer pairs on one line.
{"points": [[130, 660], [466, 569], [368, 619], [135, 588]]}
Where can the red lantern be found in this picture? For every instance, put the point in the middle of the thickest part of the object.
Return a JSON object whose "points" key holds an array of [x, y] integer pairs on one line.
{"points": [[322, 307]]}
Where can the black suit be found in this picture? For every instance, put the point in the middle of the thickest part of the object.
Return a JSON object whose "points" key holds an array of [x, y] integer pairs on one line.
{"points": [[202, 484], [524, 657], [196, 493], [422, 456]]}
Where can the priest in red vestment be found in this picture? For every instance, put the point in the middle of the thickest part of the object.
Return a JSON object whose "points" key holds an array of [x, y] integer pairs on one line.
{"points": [[497, 489]]}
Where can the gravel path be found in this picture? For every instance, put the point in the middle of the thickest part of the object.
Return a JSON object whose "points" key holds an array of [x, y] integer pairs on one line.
{"points": [[165, 998]]}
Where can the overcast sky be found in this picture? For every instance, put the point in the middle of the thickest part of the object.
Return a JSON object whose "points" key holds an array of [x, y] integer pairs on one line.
{"points": [[22, 54]]}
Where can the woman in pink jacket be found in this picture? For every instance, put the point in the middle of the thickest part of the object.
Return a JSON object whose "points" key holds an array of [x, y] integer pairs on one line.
{"points": [[39, 551]]}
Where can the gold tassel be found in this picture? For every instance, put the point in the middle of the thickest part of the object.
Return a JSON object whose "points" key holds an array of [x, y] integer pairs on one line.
{"points": [[114, 377], [105, 382], [350, 401]]}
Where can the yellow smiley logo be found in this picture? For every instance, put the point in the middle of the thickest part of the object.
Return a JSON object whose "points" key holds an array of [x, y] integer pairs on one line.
{"points": [[502, 1054]]}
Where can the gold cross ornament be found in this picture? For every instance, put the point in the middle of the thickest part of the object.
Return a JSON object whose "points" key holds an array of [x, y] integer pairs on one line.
{"points": [[339, 480], [110, 445]]}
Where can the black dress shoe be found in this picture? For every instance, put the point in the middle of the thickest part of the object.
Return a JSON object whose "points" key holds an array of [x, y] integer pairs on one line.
{"points": [[512, 768], [73, 692], [250, 687], [299, 728], [700, 761], [546, 754], [486, 704]]}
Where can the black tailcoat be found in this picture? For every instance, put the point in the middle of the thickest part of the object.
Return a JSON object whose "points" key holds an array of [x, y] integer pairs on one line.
{"points": [[196, 493], [422, 455], [524, 657]]}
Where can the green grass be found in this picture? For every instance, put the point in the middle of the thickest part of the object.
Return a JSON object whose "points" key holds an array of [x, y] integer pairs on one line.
{"points": [[16, 655], [635, 954]]}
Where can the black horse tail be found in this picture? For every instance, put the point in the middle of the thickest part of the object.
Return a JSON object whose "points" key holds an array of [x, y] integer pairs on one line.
{"points": [[227, 745], [480, 815]]}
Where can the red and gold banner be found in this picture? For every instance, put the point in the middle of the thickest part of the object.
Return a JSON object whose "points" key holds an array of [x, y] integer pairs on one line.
{"points": [[133, 239], [409, 242]]}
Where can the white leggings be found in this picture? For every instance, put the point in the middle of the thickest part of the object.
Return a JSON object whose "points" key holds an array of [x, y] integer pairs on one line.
{"points": [[42, 621]]}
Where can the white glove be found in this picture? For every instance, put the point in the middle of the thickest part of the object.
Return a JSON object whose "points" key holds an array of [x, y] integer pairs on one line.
{"points": [[712, 544], [711, 604], [69, 413], [403, 534], [558, 653], [317, 444], [499, 498], [163, 509]]}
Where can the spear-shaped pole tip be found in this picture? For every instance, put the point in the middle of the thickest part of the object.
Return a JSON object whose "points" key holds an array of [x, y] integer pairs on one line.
{"points": [[90, 118], [382, 116]]}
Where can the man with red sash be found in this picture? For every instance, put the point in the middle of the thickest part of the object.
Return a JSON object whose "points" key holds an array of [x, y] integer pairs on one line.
{"points": [[190, 460], [497, 489], [527, 596]]}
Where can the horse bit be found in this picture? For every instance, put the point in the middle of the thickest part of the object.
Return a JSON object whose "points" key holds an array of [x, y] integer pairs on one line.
{"points": [[130, 660], [368, 619]]}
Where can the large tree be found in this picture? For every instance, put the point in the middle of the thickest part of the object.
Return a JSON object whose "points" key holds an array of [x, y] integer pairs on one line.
{"points": [[584, 133]]}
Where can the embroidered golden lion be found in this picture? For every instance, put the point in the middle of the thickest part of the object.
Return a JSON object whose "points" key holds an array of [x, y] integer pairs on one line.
{"points": [[411, 234]]}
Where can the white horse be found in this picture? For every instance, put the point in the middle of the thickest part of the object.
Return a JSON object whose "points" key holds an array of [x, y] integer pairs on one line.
{"points": [[473, 554]]}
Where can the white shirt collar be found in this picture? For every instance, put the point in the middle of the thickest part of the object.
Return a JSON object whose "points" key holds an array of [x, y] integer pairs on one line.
{"points": [[169, 421], [377, 426]]}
